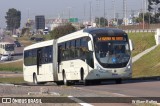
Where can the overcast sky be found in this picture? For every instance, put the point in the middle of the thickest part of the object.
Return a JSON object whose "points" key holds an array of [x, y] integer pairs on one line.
{"points": [[54, 8]]}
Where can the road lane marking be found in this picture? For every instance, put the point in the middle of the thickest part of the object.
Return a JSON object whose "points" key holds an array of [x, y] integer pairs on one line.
{"points": [[82, 103], [120, 94]]}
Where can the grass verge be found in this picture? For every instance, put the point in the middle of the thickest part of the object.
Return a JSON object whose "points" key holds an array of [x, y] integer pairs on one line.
{"points": [[12, 80], [25, 41], [13, 66], [142, 41], [148, 65]]}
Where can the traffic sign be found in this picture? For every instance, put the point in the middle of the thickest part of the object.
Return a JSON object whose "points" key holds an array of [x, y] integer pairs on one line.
{"points": [[73, 20]]}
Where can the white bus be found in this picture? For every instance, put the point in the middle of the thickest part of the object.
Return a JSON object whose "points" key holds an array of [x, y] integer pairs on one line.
{"points": [[90, 55], [39, 62], [6, 48]]}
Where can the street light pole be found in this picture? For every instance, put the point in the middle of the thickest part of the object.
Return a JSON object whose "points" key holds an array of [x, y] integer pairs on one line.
{"points": [[143, 12], [104, 12], [90, 18], [69, 12]]}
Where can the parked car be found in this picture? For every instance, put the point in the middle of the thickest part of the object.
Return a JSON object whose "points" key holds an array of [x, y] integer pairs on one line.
{"points": [[39, 39], [32, 38], [17, 44], [15, 36], [6, 57]]}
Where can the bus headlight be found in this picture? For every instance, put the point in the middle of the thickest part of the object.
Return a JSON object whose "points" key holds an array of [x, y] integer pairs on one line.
{"points": [[128, 68], [98, 67]]}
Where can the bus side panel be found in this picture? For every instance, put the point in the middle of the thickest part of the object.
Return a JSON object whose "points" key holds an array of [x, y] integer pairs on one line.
{"points": [[28, 73], [49, 72], [73, 68], [45, 73], [81, 65]]}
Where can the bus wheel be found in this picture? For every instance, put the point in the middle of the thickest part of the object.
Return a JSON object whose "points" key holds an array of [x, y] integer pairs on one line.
{"points": [[35, 79], [65, 81], [82, 74], [118, 81]]}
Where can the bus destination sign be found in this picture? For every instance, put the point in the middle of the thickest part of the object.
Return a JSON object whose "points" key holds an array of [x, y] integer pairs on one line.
{"points": [[106, 38]]}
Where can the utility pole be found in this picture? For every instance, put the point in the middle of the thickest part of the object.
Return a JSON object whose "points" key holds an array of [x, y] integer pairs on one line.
{"points": [[125, 11], [90, 16], [69, 12], [104, 12], [143, 3], [113, 2], [146, 3], [28, 12], [98, 17], [84, 12]]}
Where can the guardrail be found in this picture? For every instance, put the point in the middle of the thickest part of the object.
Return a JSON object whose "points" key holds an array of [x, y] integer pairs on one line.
{"points": [[17, 54], [140, 30]]}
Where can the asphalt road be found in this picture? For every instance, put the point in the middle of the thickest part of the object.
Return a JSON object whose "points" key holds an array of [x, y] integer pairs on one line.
{"points": [[136, 88], [18, 50], [139, 88]]}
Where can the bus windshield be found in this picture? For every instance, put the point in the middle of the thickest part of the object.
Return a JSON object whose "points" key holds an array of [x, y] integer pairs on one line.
{"points": [[9, 47], [112, 52]]}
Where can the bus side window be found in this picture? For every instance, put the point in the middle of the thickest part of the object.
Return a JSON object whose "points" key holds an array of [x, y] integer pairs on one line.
{"points": [[46, 55], [77, 51], [67, 50], [84, 47], [50, 52], [72, 50], [26, 56], [34, 56], [40, 56], [63, 50]]}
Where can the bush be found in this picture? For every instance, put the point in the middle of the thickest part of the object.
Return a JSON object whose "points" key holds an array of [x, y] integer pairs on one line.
{"points": [[62, 30]]}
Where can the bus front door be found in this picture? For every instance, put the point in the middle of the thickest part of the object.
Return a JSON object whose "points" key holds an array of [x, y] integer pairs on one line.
{"points": [[39, 63]]}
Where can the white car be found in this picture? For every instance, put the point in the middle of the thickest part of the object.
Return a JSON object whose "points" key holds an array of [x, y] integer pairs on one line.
{"points": [[6, 57], [15, 36]]}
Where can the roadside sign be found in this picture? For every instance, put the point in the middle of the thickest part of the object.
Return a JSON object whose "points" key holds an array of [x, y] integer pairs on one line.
{"points": [[73, 20]]}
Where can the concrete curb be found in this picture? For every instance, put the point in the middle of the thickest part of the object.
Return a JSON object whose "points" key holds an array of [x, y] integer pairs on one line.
{"points": [[135, 58]]}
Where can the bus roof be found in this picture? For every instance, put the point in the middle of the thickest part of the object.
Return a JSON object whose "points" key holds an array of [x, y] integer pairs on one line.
{"points": [[109, 31], [40, 44], [73, 35], [92, 31]]}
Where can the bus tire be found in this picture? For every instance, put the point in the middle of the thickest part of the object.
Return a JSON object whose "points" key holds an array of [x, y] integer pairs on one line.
{"points": [[65, 81], [82, 74], [35, 79]]}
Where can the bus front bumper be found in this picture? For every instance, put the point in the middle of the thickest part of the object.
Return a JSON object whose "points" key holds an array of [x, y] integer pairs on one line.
{"points": [[109, 74]]}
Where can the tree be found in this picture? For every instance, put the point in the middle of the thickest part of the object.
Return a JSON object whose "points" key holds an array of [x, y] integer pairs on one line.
{"points": [[13, 18], [62, 30], [148, 18], [101, 22], [154, 6]]}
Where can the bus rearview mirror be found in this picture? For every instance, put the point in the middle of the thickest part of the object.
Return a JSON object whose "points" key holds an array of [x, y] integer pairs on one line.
{"points": [[90, 47]]}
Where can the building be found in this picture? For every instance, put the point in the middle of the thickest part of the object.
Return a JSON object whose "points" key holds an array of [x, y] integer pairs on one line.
{"points": [[40, 22], [52, 23]]}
